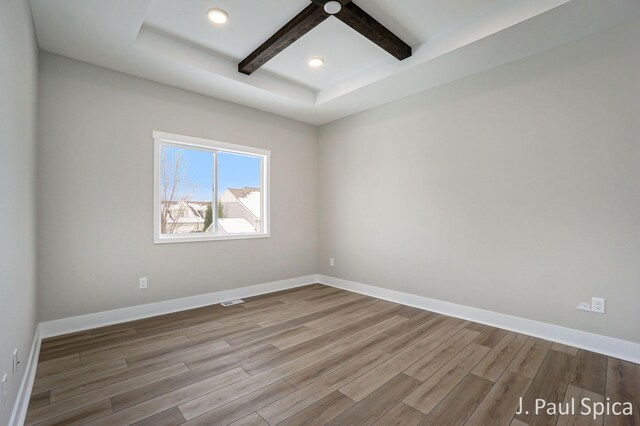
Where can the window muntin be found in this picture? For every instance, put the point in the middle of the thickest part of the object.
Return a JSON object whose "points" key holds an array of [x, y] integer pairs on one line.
{"points": [[207, 190]]}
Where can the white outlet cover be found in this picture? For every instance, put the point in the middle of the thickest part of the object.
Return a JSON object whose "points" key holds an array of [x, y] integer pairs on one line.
{"points": [[584, 306], [142, 283], [598, 305]]}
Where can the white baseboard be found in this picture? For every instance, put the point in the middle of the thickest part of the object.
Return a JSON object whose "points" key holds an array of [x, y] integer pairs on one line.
{"points": [[116, 316], [19, 412], [609, 346]]}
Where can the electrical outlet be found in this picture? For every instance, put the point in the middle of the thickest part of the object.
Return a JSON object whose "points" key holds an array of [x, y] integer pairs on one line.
{"points": [[16, 361], [4, 392], [332, 262], [597, 305], [142, 283], [584, 306]]}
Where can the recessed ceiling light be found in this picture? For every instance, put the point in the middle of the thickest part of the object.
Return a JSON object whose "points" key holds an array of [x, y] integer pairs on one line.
{"points": [[316, 62], [218, 16]]}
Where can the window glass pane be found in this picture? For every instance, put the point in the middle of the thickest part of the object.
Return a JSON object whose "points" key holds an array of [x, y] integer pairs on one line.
{"points": [[239, 194], [186, 190]]}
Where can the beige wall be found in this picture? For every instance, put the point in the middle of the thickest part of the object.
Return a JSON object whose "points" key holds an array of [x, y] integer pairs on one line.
{"points": [[516, 190], [95, 192], [18, 82]]}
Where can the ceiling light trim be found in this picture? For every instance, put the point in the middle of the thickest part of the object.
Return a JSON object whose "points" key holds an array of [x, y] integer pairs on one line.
{"points": [[332, 7], [316, 62], [218, 16]]}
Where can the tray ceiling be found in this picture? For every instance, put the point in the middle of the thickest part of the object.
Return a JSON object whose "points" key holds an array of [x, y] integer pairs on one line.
{"points": [[173, 42]]}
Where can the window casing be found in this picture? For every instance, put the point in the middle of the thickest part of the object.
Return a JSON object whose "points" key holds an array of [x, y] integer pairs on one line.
{"points": [[222, 212]]}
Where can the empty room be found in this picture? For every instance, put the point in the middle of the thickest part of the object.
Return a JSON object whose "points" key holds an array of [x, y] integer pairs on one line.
{"points": [[320, 212]]}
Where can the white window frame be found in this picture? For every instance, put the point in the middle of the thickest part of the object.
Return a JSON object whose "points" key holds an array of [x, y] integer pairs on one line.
{"points": [[162, 138]]}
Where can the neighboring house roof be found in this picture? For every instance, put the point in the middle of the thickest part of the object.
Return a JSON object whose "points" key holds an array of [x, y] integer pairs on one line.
{"points": [[191, 211], [243, 192], [194, 212], [249, 197], [236, 226]]}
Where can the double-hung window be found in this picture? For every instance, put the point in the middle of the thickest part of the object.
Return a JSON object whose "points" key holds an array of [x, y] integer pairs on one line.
{"points": [[207, 190]]}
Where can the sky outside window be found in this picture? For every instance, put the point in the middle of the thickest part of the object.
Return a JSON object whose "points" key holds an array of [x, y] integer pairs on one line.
{"points": [[234, 171]]}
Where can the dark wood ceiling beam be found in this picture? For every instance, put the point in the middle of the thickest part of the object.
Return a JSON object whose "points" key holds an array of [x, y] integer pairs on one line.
{"points": [[323, 2], [366, 25], [304, 22]]}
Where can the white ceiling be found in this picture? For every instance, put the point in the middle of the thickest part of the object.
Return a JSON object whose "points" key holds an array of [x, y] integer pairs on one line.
{"points": [[173, 42]]}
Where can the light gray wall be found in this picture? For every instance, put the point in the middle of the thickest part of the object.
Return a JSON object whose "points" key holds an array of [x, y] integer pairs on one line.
{"points": [[516, 190], [18, 83], [95, 192]]}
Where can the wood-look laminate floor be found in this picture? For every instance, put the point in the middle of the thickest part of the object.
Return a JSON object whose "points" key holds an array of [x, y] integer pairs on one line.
{"points": [[312, 356]]}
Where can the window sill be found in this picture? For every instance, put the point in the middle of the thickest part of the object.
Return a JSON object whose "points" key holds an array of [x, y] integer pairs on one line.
{"points": [[202, 238]]}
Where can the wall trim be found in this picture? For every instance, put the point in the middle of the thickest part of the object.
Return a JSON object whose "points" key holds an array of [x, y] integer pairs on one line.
{"points": [[617, 348], [116, 316], [19, 413]]}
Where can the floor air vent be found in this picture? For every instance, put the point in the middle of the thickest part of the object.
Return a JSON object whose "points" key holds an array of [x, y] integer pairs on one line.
{"points": [[232, 302]]}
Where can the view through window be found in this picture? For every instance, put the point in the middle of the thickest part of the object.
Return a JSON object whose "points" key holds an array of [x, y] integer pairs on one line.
{"points": [[209, 190]]}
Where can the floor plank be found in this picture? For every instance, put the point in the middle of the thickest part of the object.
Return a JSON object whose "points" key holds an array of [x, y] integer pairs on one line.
{"points": [[302, 398], [576, 415], [244, 406], [489, 336], [549, 385], [378, 403], [460, 403], [501, 403], [497, 360], [564, 348], [430, 364], [369, 382], [170, 417], [252, 419], [71, 404], [39, 399], [196, 377], [169, 400], [81, 415], [401, 342], [436, 388], [400, 415], [623, 385], [213, 400], [100, 381], [321, 412], [336, 361], [528, 360], [590, 372]]}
